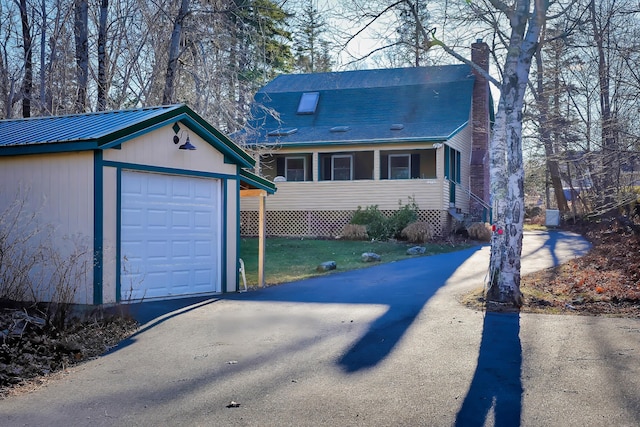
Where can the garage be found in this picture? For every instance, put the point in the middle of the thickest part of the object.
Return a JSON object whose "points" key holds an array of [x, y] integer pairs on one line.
{"points": [[170, 235], [137, 204]]}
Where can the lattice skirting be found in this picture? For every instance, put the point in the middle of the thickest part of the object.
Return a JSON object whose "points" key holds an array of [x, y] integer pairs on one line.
{"points": [[322, 223]]}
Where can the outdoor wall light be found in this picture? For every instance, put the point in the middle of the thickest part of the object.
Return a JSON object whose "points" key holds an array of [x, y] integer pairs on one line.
{"points": [[187, 145]]}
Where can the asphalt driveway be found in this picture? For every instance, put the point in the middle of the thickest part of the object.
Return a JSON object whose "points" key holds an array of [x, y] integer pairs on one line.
{"points": [[385, 346]]}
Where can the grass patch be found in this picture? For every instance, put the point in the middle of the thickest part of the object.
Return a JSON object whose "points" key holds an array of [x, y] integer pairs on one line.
{"points": [[287, 260]]}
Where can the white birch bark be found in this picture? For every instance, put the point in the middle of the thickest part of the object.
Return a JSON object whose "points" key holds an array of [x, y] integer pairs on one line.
{"points": [[506, 164]]}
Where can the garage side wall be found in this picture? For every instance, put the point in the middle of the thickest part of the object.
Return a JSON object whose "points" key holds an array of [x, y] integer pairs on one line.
{"points": [[53, 196]]}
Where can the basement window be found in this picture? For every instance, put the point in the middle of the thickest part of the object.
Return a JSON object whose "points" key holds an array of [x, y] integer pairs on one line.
{"points": [[308, 102]]}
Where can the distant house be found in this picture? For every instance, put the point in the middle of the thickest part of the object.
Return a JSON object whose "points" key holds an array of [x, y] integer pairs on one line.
{"points": [[153, 192], [337, 141]]}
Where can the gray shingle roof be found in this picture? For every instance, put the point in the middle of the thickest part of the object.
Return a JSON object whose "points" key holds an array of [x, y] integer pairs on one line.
{"points": [[425, 103]]}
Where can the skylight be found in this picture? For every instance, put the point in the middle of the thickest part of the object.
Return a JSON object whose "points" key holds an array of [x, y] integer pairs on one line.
{"points": [[283, 132], [308, 103]]}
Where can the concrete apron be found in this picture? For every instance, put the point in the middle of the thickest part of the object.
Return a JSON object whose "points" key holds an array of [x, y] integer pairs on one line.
{"points": [[388, 346]]}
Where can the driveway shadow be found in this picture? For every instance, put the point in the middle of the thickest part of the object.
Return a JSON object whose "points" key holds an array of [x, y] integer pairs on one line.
{"points": [[497, 381], [404, 287]]}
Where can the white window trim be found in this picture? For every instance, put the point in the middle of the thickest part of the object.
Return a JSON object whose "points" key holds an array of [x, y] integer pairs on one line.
{"points": [[342, 156], [407, 156], [286, 166]]}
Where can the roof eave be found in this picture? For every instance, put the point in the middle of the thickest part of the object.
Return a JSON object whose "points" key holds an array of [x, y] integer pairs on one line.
{"points": [[257, 181], [186, 115], [374, 141], [58, 147]]}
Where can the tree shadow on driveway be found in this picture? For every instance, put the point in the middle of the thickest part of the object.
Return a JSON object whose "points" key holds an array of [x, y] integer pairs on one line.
{"points": [[497, 380], [404, 287]]}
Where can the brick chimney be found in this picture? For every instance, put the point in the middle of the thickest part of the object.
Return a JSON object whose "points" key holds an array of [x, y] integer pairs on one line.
{"points": [[481, 131]]}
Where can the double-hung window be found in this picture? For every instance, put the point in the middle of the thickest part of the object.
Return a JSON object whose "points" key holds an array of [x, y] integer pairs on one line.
{"points": [[342, 167], [399, 166], [295, 168]]}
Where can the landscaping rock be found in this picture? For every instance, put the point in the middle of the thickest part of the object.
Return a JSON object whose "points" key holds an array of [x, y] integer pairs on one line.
{"points": [[370, 257], [416, 250], [326, 266]]}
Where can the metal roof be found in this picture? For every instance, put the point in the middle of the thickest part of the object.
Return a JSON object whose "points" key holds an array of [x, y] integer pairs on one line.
{"points": [[75, 127], [102, 130], [366, 106]]}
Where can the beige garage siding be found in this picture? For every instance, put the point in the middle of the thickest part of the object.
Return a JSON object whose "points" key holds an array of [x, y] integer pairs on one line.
{"points": [[58, 189], [157, 148]]}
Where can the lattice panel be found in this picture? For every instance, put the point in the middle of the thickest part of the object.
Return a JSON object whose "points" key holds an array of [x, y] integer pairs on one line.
{"points": [[321, 223]]}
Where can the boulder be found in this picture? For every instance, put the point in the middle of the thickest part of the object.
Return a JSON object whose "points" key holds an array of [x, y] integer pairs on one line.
{"points": [[327, 265], [370, 257], [416, 250]]}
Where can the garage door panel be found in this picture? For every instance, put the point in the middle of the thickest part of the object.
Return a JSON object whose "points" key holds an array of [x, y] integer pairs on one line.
{"points": [[202, 220], [170, 231], [180, 218], [158, 218]]}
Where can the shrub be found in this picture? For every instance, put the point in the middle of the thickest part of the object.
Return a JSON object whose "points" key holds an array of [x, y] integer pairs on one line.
{"points": [[380, 227], [480, 231], [418, 232], [376, 223], [354, 232], [404, 216], [37, 266]]}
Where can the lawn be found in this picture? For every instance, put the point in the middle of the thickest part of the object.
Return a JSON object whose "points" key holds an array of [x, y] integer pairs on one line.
{"points": [[289, 259]]}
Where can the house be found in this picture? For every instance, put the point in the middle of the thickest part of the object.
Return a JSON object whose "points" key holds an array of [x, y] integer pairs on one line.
{"points": [[342, 140], [154, 193]]}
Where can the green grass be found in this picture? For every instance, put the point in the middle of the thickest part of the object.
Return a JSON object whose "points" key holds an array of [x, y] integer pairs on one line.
{"points": [[293, 259]]}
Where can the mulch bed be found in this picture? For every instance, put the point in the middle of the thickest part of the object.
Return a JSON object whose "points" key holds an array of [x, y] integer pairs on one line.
{"points": [[31, 348], [606, 281]]}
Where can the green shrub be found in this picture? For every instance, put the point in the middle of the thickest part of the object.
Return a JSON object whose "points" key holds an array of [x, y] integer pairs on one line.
{"points": [[380, 227], [404, 216]]}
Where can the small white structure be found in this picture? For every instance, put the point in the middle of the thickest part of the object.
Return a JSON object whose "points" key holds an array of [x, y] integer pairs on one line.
{"points": [[552, 218], [156, 192]]}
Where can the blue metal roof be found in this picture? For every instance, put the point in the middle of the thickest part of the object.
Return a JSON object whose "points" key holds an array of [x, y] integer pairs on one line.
{"points": [[106, 129], [367, 106], [76, 127]]}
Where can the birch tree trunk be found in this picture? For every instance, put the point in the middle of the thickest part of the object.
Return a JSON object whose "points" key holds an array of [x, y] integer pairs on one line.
{"points": [[506, 164], [174, 54]]}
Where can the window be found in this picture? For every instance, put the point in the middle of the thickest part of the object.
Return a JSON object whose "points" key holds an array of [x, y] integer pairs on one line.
{"points": [[399, 166], [451, 164], [290, 167], [405, 164], [342, 167], [295, 168], [308, 102]]}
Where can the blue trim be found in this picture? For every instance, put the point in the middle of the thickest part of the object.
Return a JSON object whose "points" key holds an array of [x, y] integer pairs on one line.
{"points": [[225, 224], [238, 238], [121, 140], [98, 227], [118, 234], [224, 178], [311, 144], [65, 147], [169, 171]]}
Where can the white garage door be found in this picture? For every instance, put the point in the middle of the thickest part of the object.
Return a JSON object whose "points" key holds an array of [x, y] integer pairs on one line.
{"points": [[170, 235]]}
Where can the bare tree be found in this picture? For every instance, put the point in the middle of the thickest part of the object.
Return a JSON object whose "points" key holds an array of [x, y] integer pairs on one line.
{"points": [[103, 85], [27, 81], [81, 30], [174, 53]]}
